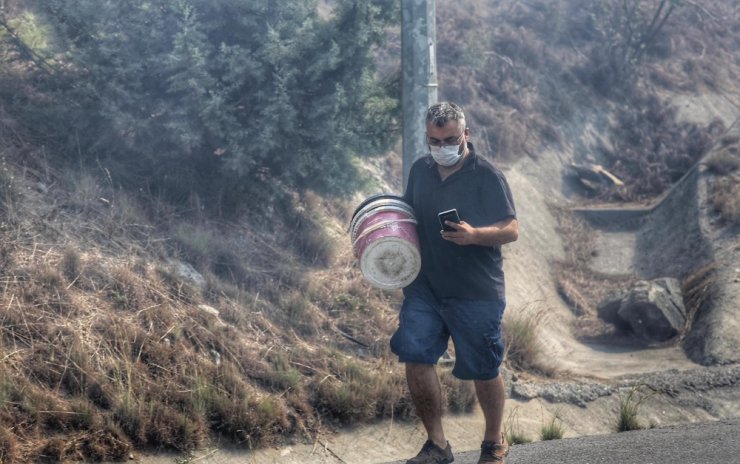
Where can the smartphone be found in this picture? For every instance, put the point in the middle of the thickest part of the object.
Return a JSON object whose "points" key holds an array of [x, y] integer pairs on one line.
{"points": [[449, 215]]}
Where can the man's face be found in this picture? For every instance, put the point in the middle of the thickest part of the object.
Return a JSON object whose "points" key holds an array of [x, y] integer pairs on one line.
{"points": [[451, 134]]}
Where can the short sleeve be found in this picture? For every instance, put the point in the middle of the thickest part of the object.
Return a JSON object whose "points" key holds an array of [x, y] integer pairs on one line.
{"points": [[497, 197]]}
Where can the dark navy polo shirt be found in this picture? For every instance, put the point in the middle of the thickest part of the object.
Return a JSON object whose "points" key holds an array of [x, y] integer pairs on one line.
{"points": [[482, 197]]}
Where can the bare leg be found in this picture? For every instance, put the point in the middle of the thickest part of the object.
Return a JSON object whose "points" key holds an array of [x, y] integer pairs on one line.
{"points": [[427, 396], [491, 396]]}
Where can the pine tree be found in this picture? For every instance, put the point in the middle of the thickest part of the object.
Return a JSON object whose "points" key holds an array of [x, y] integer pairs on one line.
{"points": [[226, 97]]}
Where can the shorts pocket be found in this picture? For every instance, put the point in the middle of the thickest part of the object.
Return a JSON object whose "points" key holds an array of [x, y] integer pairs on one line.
{"points": [[495, 350]]}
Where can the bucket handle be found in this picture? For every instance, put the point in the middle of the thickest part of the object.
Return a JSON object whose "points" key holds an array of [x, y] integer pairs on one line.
{"points": [[377, 226]]}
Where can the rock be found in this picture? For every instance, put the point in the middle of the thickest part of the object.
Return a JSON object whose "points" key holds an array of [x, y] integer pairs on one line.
{"points": [[209, 309], [213, 312], [576, 393], [187, 272], [654, 309], [674, 382], [608, 309]]}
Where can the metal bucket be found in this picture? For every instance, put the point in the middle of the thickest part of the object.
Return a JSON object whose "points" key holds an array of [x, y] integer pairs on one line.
{"points": [[385, 241]]}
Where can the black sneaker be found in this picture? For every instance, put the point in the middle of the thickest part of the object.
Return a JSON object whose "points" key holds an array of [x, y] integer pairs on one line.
{"points": [[432, 454], [493, 452]]}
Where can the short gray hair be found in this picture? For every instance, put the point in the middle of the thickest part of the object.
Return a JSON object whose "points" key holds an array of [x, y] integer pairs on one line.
{"points": [[441, 113]]}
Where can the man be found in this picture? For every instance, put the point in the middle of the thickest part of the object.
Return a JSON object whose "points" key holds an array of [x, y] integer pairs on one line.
{"points": [[459, 292]]}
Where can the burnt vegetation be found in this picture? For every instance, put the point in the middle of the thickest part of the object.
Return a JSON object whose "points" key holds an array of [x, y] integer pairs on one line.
{"points": [[533, 73]]}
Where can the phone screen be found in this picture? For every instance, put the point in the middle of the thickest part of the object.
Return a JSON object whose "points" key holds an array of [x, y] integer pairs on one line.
{"points": [[449, 215]]}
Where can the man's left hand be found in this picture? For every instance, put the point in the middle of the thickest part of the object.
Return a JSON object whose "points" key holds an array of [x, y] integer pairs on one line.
{"points": [[464, 233]]}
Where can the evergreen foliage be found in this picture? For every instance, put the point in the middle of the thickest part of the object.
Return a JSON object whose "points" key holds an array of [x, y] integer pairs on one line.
{"points": [[230, 99]]}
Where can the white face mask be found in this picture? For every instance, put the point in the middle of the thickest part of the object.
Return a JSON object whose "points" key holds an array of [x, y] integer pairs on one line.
{"points": [[447, 155]]}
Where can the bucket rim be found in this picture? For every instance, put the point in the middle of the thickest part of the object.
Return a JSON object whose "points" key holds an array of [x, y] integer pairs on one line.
{"points": [[365, 215], [378, 203], [376, 196]]}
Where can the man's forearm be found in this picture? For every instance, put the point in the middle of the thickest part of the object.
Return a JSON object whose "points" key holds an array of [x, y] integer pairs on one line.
{"points": [[500, 233]]}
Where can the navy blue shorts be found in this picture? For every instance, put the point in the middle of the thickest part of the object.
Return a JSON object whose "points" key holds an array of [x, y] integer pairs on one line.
{"points": [[426, 324]]}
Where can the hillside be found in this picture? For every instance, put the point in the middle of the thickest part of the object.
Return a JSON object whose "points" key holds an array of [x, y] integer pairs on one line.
{"points": [[131, 323]]}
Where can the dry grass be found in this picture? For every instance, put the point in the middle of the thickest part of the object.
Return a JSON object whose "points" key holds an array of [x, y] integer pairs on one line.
{"points": [[352, 393], [568, 287], [724, 197], [104, 351], [527, 80], [524, 351], [459, 395], [726, 157], [9, 451], [513, 430], [579, 241], [312, 240], [506, 78], [580, 287], [105, 348], [698, 291], [113, 339], [653, 148]]}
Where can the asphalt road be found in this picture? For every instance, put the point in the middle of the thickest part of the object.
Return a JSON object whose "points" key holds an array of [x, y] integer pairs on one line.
{"points": [[705, 443]]}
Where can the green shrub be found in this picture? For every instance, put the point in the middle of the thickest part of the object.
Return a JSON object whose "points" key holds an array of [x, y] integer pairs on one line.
{"points": [[512, 430], [347, 303], [298, 312], [283, 376], [553, 429], [629, 407]]}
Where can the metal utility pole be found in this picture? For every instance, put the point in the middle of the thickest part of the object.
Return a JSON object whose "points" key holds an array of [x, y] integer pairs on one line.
{"points": [[419, 67]]}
